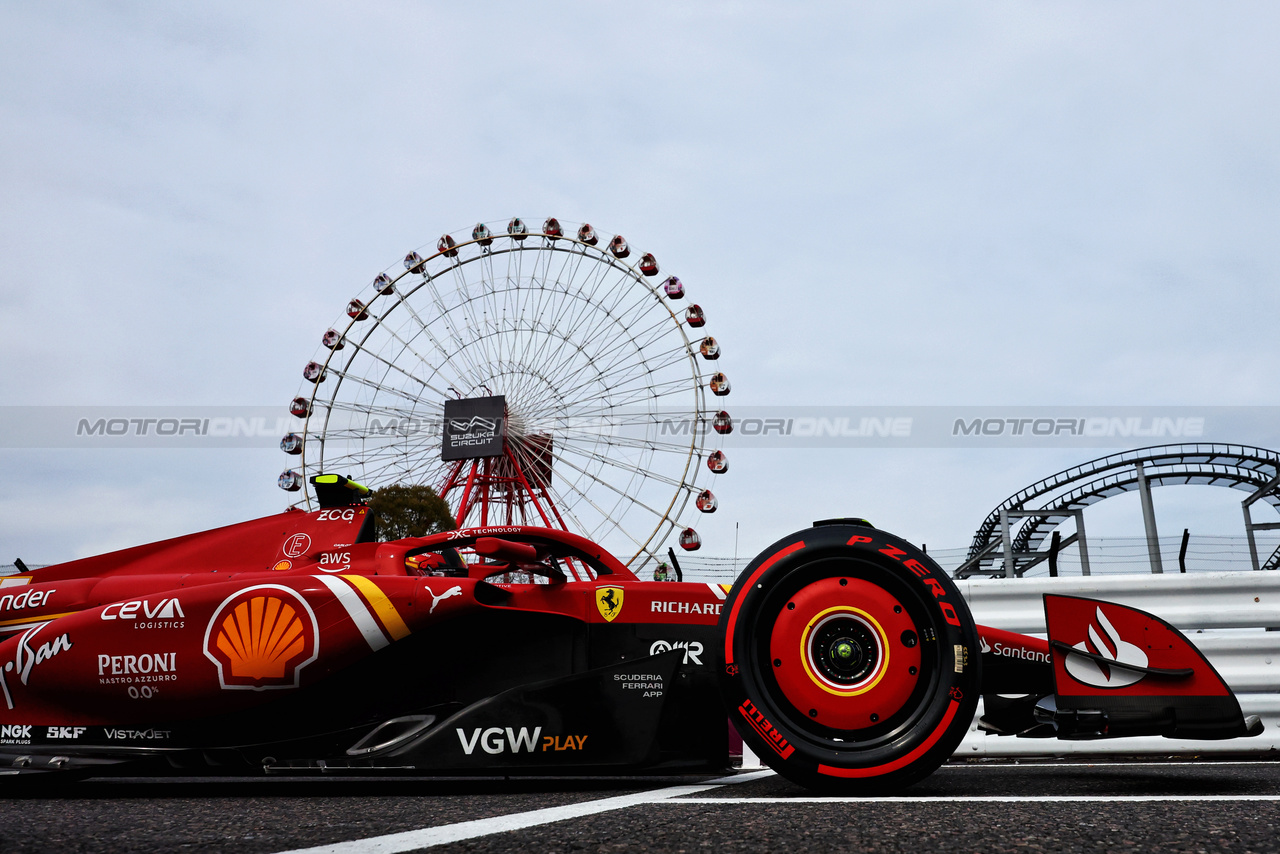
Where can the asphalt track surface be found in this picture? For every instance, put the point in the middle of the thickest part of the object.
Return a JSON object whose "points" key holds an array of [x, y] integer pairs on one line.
{"points": [[1148, 806]]}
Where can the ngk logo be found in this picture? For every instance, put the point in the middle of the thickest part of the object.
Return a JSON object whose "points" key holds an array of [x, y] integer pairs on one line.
{"points": [[1105, 641]]}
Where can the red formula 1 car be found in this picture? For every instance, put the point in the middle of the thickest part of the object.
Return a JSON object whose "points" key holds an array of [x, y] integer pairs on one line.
{"points": [[843, 654]]}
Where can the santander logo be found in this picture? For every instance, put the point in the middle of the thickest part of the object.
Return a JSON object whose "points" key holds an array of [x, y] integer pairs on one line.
{"points": [[1105, 641]]}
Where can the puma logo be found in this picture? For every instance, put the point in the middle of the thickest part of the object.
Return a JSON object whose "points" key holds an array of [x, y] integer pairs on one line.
{"points": [[435, 600]]}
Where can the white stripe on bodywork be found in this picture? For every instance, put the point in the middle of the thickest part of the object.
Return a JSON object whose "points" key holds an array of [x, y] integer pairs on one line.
{"points": [[716, 589], [20, 627], [356, 609]]}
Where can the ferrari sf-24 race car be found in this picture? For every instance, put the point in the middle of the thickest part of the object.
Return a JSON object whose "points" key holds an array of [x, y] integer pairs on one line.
{"points": [[843, 654]]}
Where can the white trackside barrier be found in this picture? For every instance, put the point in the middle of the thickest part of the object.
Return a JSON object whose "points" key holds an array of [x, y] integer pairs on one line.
{"points": [[1215, 610], [1207, 600], [750, 762]]}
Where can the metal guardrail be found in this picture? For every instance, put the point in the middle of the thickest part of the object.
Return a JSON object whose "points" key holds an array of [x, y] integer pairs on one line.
{"points": [[1209, 600], [1215, 610]]}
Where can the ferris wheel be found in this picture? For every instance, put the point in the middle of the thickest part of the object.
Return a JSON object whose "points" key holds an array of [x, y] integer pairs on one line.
{"points": [[530, 377]]}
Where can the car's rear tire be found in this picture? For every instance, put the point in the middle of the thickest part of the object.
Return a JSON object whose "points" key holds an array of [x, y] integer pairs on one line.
{"points": [[849, 660]]}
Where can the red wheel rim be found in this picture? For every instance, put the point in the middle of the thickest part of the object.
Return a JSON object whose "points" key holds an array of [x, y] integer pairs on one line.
{"points": [[845, 653]]}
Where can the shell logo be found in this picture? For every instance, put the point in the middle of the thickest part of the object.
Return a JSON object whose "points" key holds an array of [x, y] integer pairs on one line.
{"points": [[261, 638]]}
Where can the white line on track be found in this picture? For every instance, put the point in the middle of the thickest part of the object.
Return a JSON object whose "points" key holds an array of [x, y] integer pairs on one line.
{"points": [[977, 799], [412, 840], [1104, 763]]}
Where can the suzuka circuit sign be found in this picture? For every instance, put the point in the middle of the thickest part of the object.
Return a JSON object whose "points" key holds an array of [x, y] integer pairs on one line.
{"points": [[473, 427]]}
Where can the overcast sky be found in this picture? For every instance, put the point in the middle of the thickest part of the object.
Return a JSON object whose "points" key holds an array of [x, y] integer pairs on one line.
{"points": [[989, 203]]}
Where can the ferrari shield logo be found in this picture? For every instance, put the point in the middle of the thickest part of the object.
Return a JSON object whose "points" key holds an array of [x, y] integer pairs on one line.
{"points": [[609, 601]]}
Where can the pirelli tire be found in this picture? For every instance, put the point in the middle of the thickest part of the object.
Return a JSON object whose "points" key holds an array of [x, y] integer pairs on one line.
{"points": [[849, 662]]}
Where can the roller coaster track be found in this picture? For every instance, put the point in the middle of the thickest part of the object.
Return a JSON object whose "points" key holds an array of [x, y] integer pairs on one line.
{"points": [[1237, 466]]}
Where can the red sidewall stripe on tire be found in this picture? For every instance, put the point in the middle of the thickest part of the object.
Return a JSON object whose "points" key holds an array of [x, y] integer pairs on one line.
{"points": [[733, 614], [901, 761]]}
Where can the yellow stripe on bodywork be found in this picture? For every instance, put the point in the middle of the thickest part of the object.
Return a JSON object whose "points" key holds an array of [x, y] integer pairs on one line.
{"points": [[36, 618], [381, 605]]}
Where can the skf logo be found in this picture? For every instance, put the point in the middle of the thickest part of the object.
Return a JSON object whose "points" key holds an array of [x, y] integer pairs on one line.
{"points": [[261, 638], [609, 601], [69, 733], [766, 730], [1112, 647]]}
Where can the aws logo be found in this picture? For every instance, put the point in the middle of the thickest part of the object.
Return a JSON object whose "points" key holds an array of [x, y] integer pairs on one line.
{"points": [[261, 638]]}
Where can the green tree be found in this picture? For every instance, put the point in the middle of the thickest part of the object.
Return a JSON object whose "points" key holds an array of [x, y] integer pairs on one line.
{"points": [[409, 510]]}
